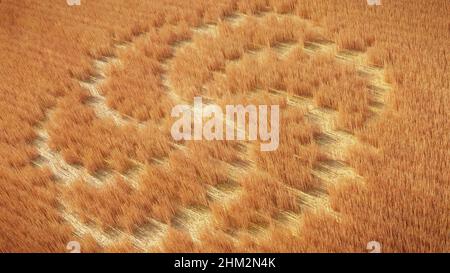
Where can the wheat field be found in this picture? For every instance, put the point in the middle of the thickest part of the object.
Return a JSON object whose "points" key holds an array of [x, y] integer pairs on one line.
{"points": [[87, 155]]}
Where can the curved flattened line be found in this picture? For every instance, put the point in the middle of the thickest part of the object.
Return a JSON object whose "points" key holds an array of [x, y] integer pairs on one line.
{"points": [[334, 142]]}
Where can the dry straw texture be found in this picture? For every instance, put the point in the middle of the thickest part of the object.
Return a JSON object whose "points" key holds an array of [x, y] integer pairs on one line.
{"points": [[364, 139]]}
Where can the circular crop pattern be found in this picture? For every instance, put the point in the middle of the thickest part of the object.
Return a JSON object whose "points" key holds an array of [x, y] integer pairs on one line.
{"points": [[202, 192]]}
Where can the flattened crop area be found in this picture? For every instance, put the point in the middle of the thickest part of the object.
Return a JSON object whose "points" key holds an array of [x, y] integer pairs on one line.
{"points": [[258, 59], [95, 150]]}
